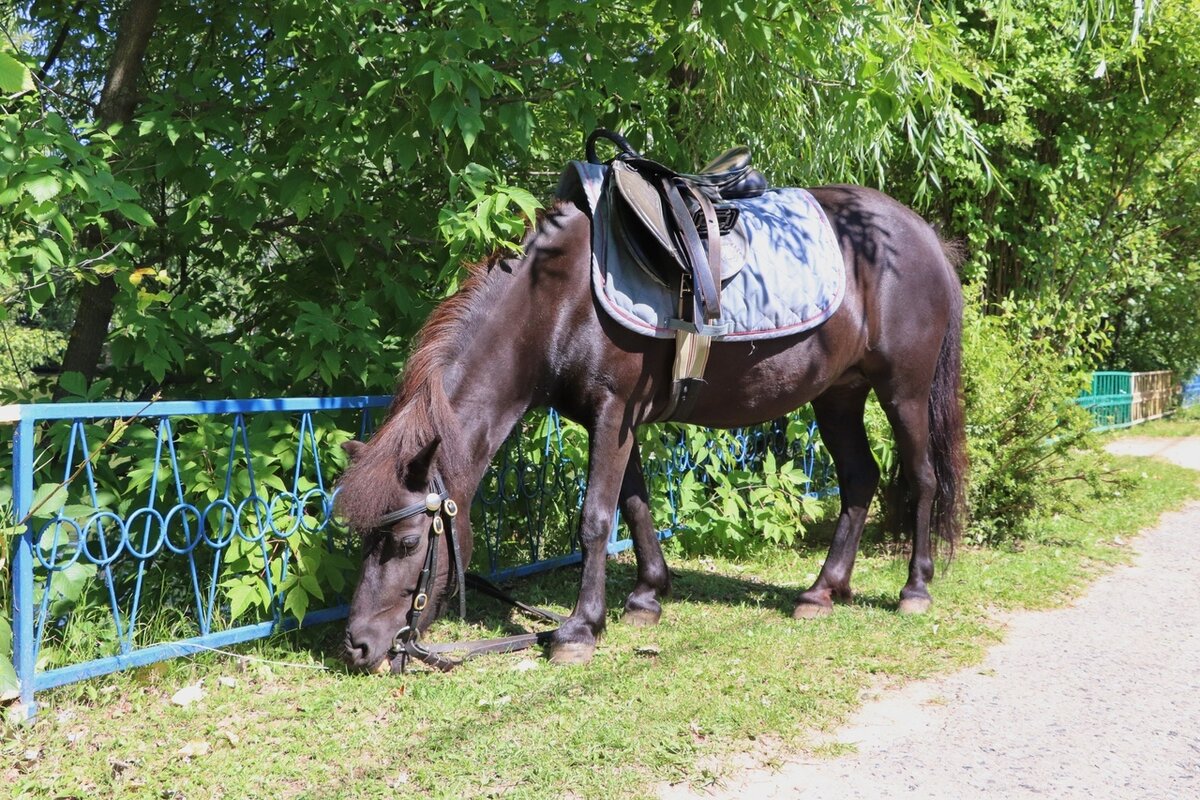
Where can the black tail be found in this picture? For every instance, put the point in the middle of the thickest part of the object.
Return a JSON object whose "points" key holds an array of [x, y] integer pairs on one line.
{"points": [[947, 434]]}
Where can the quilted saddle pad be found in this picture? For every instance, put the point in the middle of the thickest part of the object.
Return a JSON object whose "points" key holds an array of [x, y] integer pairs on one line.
{"points": [[793, 278]]}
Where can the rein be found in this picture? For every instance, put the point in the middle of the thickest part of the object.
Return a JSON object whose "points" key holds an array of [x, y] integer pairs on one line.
{"points": [[406, 643]]}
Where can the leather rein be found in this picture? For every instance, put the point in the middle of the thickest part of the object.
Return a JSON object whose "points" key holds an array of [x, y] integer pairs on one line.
{"points": [[406, 643]]}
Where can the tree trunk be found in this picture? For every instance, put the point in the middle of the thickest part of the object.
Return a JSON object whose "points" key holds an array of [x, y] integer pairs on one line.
{"points": [[117, 102]]}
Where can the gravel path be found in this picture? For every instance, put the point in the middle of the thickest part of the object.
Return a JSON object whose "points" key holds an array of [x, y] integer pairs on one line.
{"points": [[1097, 700]]}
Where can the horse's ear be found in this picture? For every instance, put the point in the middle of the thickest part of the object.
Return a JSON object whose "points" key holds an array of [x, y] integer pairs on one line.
{"points": [[353, 448], [417, 474]]}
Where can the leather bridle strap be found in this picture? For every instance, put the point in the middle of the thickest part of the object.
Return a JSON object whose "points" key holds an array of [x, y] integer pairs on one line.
{"points": [[406, 643]]}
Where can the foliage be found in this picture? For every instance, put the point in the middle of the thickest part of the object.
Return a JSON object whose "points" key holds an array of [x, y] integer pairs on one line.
{"points": [[1025, 435], [741, 490], [1084, 231], [22, 350], [296, 188]]}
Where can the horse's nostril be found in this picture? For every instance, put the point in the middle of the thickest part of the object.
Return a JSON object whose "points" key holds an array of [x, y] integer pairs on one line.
{"points": [[357, 653]]}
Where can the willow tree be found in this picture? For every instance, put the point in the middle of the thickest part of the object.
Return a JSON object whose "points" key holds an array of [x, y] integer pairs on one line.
{"points": [[292, 184]]}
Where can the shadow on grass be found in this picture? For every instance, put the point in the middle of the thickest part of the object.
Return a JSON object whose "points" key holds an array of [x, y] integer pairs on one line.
{"points": [[558, 589]]}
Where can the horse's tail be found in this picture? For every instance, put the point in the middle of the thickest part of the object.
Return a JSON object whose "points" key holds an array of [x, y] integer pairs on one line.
{"points": [[947, 430]]}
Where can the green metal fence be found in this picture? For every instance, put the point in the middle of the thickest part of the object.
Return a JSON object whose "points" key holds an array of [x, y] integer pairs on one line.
{"points": [[1122, 399], [1110, 400]]}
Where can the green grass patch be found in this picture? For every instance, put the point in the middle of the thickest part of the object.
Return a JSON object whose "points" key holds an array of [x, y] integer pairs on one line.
{"points": [[727, 671], [1184, 422]]}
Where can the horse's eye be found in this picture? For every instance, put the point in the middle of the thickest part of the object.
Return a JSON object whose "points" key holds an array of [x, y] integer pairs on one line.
{"points": [[408, 543]]}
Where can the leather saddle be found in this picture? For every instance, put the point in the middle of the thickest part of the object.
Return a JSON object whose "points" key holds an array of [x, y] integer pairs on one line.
{"points": [[680, 228]]}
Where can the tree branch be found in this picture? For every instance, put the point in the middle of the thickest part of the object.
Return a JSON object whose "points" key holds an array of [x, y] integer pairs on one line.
{"points": [[117, 102], [59, 41]]}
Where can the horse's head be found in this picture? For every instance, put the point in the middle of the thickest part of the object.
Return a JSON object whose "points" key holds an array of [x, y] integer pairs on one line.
{"points": [[408, 558]]}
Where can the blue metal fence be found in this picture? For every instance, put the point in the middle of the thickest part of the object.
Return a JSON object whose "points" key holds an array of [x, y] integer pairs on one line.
{"points": [[1191, 392], [212, 494], [196, 525]]}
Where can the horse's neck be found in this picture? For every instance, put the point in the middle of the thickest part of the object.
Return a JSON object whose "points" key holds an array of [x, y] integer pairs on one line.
{"points": [[503, 368], [506, 363]]}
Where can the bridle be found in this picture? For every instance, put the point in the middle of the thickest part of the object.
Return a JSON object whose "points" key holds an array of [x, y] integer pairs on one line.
{"points": [[442, 510], [406, 643]]}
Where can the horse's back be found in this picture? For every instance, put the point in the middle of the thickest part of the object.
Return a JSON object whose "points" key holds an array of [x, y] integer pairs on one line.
{"points": [[901, 280]]}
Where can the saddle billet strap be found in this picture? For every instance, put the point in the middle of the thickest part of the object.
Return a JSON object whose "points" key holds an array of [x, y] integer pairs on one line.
{"points": [[703, 256]]}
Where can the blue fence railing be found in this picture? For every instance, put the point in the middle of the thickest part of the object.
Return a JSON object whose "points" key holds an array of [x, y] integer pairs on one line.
{"points": [[151, 531], [1191, 392]]}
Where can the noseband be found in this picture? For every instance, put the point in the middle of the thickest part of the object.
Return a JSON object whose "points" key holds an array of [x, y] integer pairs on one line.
{"points": [[406, 643]]}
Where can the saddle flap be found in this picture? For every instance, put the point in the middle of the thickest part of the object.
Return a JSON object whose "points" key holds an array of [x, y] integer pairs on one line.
{"points": [[639, 220], [641, 201]]}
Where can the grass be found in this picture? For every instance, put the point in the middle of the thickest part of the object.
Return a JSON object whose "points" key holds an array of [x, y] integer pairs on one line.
{"points": [[1183, 422], [727, 672]]}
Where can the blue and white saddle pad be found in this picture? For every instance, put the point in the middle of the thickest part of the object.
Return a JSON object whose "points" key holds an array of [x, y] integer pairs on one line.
{"points": [[793, 280]]}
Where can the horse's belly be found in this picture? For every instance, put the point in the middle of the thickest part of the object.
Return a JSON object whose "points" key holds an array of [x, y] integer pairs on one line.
{"points": [[746, 385]]}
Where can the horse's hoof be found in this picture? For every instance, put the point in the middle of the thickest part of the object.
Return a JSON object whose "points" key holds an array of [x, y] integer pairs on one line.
{"points": [[572, 653], [810, 611], [915, 605], [640, 617]]}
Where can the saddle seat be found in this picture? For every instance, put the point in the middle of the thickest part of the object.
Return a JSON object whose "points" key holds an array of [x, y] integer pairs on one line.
{"points": [[679, 227]]}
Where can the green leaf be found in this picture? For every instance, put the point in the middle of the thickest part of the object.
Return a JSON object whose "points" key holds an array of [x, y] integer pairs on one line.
{"points": [[345, 252], [517, 121], [43, 188], [8, 676], [525, 201], [311, 585], [64, 228], [48, 500], [241, 597], [14, 76], [471, 125], [378, 86], [296, 603], [135, 213]]}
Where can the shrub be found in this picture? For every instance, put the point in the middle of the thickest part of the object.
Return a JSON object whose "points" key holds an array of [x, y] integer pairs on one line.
{"points": [[1024, 430]]}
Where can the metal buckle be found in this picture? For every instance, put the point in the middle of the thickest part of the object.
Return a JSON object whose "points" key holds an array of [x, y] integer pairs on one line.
{"points": [[398, 639], [439, 527], [450, 507]]}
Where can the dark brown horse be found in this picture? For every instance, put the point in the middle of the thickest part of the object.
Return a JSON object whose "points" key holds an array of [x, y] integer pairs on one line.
{"points": [[526, 332]]}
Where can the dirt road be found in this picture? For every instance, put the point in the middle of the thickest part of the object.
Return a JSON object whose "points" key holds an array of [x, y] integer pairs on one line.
{"points": [[1097, 700]]}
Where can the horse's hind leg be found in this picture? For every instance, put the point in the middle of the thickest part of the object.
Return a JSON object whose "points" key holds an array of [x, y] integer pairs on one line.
{"points": [[653, 578], [909, 416], [840, 418]]}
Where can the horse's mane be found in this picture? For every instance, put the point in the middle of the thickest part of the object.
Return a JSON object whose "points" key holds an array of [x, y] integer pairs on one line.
{"points": [[420, 409]]}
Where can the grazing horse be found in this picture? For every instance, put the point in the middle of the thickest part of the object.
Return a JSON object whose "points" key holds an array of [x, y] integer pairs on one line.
{"points": [[526, 331]]}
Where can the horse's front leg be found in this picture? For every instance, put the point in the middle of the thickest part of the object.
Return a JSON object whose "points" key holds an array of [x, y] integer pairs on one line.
{"points": [[608, 453]]}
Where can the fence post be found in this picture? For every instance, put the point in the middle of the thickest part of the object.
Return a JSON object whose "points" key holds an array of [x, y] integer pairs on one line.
{"points": [[22, 565]]}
